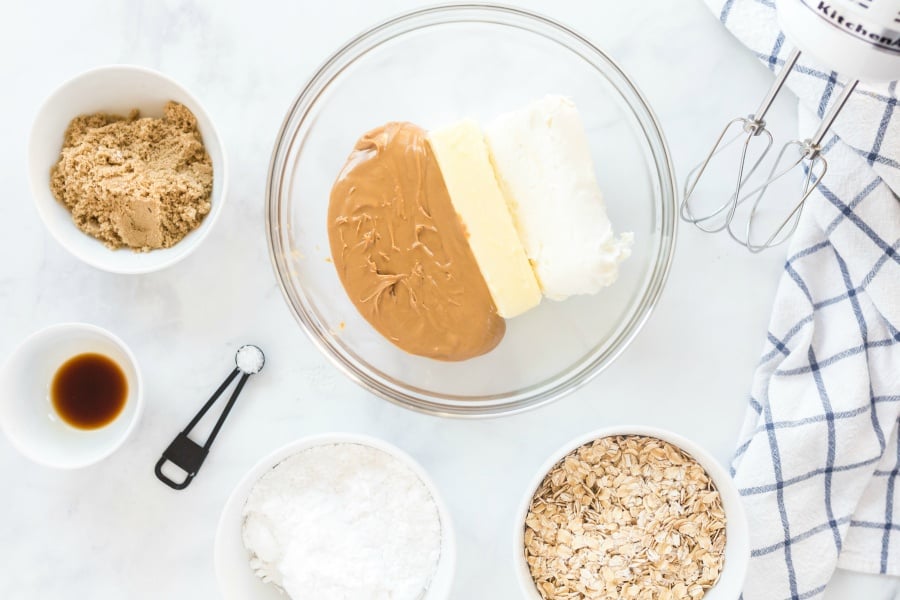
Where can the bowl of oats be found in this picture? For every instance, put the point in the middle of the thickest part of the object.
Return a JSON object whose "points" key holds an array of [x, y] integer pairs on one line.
{"points": [[631, 512], [127, 170]]}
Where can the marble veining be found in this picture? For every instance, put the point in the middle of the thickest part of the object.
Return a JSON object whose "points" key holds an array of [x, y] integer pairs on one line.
{"points": [[112, 530]]}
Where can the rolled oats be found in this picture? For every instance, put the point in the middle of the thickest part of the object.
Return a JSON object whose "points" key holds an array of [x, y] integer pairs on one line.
{"points": [[625, 517]]}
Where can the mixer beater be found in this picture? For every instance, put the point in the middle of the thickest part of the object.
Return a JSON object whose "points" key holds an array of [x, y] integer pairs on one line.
{"points": [[855, 37]]}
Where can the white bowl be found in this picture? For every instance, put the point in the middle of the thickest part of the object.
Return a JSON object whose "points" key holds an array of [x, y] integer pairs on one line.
{"points": [[115, 89], [27, 416], [737, 544], [237, 580]]}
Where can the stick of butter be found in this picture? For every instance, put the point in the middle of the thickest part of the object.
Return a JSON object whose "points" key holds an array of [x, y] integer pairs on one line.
{"points": [[463, 158]]}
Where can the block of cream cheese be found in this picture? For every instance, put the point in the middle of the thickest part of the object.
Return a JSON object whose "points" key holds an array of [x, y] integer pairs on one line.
{"points": [[543, 163], [462, 156]]}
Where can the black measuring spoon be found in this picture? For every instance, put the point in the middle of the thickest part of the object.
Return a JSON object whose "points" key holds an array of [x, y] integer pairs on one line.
{"points": [[185, 453]]}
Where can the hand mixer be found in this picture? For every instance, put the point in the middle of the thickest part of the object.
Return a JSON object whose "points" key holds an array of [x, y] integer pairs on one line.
{"points": [[857, 38]]}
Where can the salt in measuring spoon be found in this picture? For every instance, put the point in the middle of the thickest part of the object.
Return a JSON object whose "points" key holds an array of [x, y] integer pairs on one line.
{"points": [[185, 453]]}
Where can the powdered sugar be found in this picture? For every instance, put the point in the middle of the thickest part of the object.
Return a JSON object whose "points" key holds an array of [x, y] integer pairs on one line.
{"points": [[342, 521]]}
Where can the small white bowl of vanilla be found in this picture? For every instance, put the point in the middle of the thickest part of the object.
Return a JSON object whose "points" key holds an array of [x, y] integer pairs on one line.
{"points": [[70, 395]]}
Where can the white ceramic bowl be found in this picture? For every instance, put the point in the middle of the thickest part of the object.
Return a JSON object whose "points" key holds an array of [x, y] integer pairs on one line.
{"points": [[238, 582], [115, 89], [737, 544], [27, 416]]}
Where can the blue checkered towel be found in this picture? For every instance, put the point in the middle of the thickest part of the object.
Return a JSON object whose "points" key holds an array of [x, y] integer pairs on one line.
{"points": [[819, 458]]}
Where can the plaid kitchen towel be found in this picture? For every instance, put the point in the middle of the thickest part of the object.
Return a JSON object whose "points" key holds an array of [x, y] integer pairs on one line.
{"points": [[818, 458]]}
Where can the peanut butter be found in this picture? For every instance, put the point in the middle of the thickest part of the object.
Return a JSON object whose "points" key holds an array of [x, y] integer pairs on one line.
{"points": [[401, 252]]}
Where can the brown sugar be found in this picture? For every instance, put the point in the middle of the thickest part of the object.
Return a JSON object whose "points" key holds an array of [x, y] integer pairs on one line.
{"points": [[131, 182]]}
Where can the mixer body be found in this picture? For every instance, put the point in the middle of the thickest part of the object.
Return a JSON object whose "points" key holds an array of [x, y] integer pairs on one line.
{"points": [[860, 39]]}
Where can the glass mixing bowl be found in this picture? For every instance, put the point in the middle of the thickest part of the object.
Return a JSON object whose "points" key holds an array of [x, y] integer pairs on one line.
{"points": [[432, 67]]}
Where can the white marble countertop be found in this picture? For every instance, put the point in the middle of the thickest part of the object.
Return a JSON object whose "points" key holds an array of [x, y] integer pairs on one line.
{"points": [[112, 530]]}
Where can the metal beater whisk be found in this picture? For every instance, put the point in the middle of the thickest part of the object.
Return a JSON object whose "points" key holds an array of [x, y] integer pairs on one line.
{"points": [[796, 154]]}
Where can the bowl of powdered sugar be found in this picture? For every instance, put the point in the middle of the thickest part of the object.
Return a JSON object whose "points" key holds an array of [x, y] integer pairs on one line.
{"points": [[335, 516]]}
